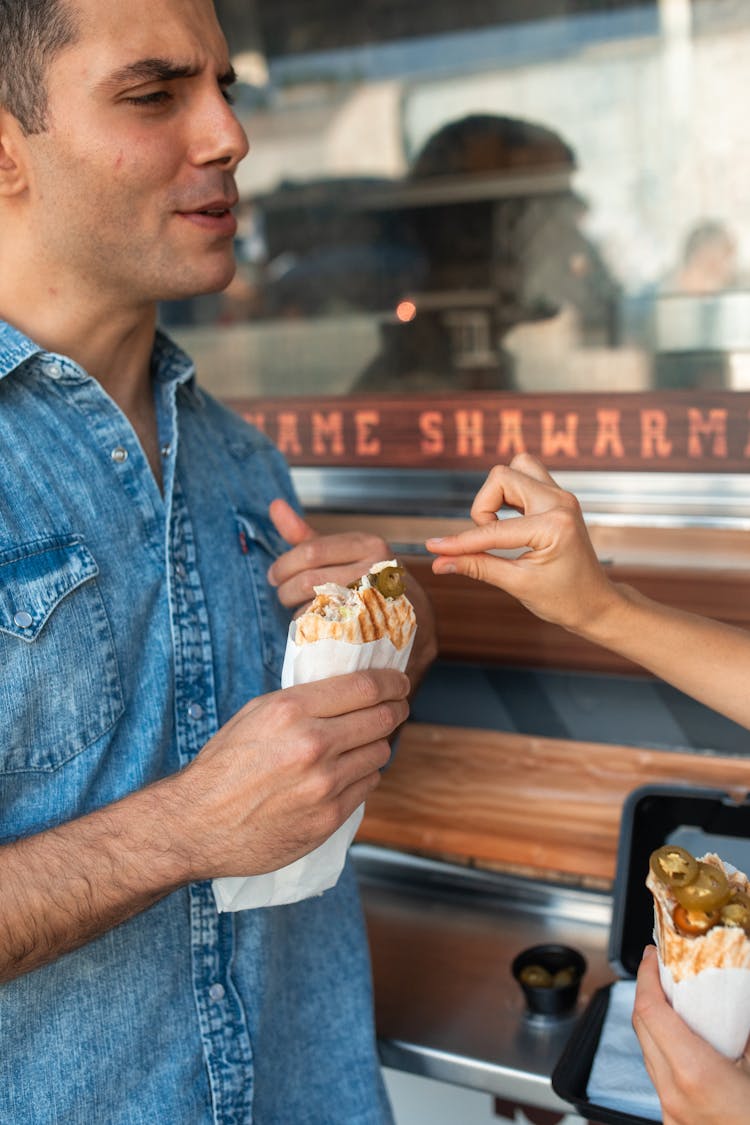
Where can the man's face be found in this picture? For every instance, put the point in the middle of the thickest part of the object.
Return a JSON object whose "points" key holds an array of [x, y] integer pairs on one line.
{"points": [[131, 184]]}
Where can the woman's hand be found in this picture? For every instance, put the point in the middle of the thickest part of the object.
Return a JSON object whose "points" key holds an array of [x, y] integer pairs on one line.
{"points": [[557, 576], [696, 1085]]}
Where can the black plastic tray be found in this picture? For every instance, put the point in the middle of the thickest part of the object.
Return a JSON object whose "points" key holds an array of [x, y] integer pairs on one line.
{"points": [[701, 820], [570, 1077]]}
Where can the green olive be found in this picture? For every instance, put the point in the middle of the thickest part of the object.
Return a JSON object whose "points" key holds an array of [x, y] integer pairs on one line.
{"points": [[390, 581], [564, 977], [536, 976]]}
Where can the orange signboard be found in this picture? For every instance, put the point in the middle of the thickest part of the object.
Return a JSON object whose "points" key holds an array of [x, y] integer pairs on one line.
{"points": [[675, 431]]}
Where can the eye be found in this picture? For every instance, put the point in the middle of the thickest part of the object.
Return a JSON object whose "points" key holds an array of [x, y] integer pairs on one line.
{"points": [[228, 96], [157, 97]]}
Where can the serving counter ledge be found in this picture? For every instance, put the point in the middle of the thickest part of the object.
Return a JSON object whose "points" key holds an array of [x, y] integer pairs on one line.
{"points": [[442, 940]]}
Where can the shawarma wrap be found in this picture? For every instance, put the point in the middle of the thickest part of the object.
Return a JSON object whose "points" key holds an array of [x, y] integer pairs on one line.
{"points": [[369, 610], [702, 934], [370, 624]]}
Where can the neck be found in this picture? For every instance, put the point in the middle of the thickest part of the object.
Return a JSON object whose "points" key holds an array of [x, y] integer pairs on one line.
{"points": [[114, 346]]}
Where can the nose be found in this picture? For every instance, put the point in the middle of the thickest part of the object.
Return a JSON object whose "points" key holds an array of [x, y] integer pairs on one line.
{"points": [[219, 137]]}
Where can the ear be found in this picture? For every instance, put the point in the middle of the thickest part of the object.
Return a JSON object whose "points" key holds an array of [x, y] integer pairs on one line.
{"points": [[13, 156]]}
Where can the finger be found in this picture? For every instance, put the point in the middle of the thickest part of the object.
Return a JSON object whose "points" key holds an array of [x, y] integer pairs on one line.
{"points": [[654, 1016], [503, 573], [341, 557], [659, 1070], [506, 486], [360, 728], [351, 796], [532, 467], [500, 535], [361, 762], [355, 691], [289, 524]]}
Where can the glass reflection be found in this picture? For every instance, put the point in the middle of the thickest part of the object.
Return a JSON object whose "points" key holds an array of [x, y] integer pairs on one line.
{"points": [[458, 195]]}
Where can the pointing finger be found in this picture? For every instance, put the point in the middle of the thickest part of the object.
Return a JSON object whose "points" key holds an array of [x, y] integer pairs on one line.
{"points": [[289, 524]]}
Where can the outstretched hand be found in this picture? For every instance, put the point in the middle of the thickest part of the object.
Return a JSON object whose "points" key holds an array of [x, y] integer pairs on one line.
{"points": [[556, 575]]}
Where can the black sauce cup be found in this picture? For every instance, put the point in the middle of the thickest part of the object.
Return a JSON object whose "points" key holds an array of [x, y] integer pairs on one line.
{"points": [[550, 1000]]}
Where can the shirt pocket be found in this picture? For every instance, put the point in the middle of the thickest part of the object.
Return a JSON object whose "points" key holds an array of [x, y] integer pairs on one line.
{"points": [[60, 686], [260, 544]]}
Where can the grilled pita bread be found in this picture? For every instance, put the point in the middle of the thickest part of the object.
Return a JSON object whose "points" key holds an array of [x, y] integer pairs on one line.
{"points": [[722, 947], [356, 616]]}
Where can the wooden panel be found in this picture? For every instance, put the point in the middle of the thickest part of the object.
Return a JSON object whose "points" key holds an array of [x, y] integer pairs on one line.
{"points": [[545, 806], [701, 570]]}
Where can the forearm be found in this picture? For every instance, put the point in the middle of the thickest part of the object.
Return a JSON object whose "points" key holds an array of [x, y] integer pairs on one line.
{"points": [[68, 885], [271, 785], [701, 657]]}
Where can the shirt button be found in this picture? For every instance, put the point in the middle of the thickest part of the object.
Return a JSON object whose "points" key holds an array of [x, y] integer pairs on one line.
{"points": [[23, 620], [119, 454], [195, 711], [166, 450], [54, 370], [180, 571], [216, 992]]}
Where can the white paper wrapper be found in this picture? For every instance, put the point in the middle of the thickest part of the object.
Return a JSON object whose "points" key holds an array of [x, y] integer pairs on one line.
{"points": [[709, 986], [715, 1003], [319, 869]]}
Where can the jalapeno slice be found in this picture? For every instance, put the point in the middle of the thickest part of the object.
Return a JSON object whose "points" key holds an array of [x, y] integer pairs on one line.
{"points": [[674, 866], [709, 890], [694, 922], [390, 581]]}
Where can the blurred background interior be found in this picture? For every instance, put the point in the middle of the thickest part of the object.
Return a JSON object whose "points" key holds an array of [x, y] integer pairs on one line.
{"points": [[485, 194]]}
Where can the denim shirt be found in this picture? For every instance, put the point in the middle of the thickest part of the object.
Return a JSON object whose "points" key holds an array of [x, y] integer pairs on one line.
{"points": [[134, 623]]}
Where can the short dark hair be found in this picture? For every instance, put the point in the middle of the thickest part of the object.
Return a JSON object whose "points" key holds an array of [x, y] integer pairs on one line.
{"points": [[32, 32]]}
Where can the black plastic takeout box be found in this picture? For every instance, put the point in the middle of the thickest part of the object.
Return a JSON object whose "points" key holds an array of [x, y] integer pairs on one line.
{"points": [[701, 820]]}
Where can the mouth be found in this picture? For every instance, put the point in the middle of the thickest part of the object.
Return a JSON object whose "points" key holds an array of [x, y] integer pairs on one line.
{"points": [[215, 216], [219, 205]]}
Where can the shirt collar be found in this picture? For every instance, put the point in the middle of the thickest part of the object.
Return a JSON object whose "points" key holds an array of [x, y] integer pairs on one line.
{"points": [[169, 363], [15, 349]]}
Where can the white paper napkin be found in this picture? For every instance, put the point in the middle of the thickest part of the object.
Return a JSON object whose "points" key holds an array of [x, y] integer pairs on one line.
{"points": [[619, 1079], [319, 869]]}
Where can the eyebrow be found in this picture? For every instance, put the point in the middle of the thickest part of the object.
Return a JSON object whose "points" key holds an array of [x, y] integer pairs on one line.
{"points": [[160, 70]]}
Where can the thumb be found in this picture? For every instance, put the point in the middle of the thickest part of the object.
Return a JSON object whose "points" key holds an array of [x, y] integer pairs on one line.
{"points": [[288, 523]]}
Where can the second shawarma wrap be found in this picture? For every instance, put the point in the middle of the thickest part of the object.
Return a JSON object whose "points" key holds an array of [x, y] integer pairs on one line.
{"points": [[702, 934]]}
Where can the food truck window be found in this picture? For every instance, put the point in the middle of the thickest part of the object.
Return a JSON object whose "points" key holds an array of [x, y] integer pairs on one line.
{"points": [[453, 207]]}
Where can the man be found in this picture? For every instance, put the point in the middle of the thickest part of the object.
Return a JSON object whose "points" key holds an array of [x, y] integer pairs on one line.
{"points": [[143, 748]]}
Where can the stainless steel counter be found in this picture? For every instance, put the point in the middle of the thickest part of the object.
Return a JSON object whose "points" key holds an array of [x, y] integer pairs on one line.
{"points": [[443, 939]]}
